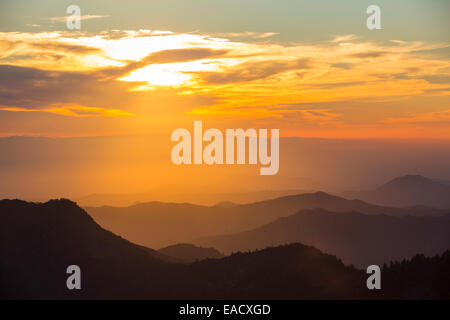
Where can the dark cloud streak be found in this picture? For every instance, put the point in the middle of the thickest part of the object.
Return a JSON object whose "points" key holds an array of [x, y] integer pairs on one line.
{"points": [[250, 71]]}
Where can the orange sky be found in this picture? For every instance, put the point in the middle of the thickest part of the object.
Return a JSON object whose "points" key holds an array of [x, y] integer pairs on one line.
{"points": [[134, 73], [139, 82]]}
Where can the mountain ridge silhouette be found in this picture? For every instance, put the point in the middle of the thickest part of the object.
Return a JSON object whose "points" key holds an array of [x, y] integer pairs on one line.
{"points": [[41, 239], [190, 253], [170, 223], [408, 190], [356, 238]]}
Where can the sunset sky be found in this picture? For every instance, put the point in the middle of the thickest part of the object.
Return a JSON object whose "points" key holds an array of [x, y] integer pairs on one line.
{"points": [[309, 68], [145, 68]]}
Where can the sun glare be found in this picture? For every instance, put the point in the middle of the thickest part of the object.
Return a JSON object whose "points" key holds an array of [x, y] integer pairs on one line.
{"points": [[171, 74]]}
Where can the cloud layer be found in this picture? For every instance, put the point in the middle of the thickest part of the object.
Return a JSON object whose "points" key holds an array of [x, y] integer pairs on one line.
{"points": [[67, 73]]}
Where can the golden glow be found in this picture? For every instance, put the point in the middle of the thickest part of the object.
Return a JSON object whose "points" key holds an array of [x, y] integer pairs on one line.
{"points": [[172, 74], [287, 85]]}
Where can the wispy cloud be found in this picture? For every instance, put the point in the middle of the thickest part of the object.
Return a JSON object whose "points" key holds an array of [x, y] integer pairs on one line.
{"points": [[428, 117], [231, 78], [344, 38], [82, 17], [74, 111], [246, 34]]}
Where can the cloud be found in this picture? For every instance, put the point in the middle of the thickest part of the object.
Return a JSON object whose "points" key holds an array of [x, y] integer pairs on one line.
{"points": [[437, 78], [64, 48], [50, 51], [317, 115], [246, 34], [424, 118], [431, 78], [309, 114], [373, 54], [182, 55], [339, 84], [232, 78], [251, 71], [344, 38], [342, 65], [60, 92], [82, 17], [74, 111]]}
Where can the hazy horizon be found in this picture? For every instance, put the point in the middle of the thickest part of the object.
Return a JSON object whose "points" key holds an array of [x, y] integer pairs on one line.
{"points": [[78, 167]]}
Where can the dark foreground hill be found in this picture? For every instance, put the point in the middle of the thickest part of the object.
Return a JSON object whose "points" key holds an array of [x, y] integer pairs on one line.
{"points": [[409, 190], [418, 278], [39, 241], [158, 224], [356, 238]]}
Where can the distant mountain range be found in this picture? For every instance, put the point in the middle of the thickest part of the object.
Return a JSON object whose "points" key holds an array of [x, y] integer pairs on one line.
{"points": [[356, 238], [190, 253], [157, 224], [226, 204], [409, 190], [183, 194], [403, 191], [39, 240]]}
